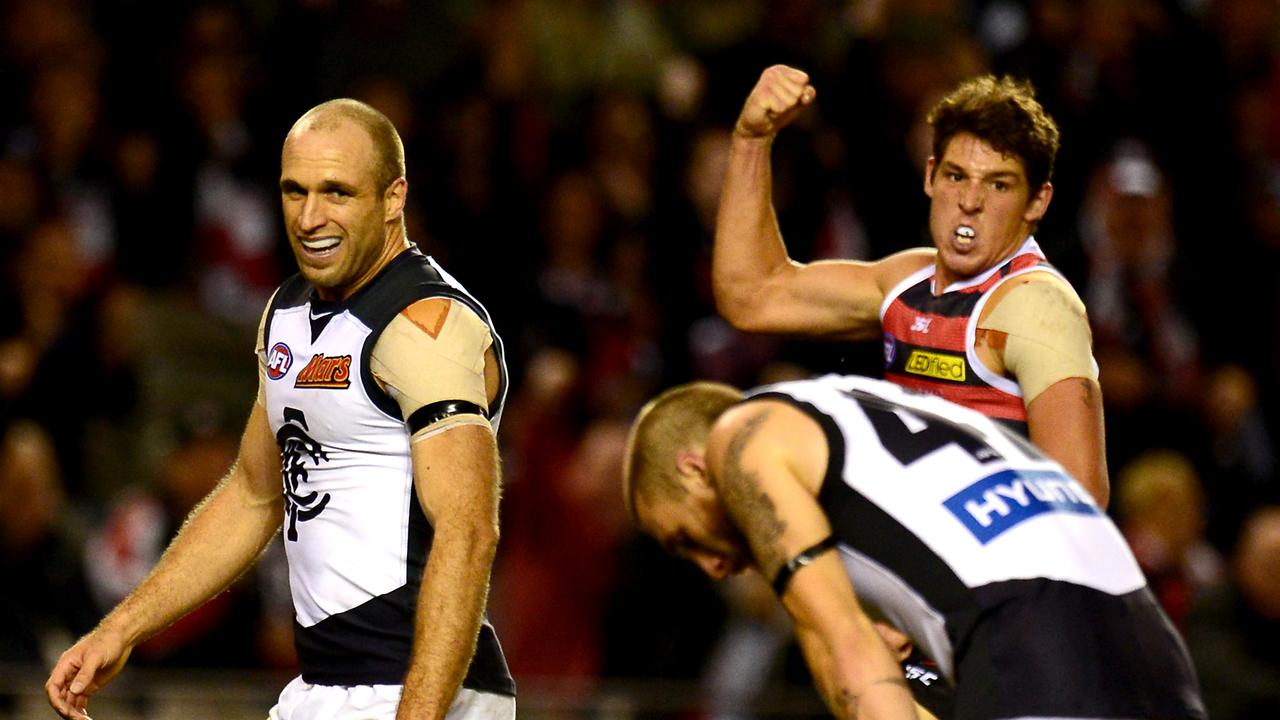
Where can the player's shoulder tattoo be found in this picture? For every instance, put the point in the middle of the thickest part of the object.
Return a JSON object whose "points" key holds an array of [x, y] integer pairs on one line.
{"points": [[751, 508]]}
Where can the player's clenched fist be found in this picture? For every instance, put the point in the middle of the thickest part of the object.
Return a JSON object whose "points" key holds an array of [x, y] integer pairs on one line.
{"points": [[774, 102]]}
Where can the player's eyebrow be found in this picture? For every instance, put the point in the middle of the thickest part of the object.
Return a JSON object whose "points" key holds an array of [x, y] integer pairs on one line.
{"points": [[289, 185], [952, 166], [338, 185], [1001, 175]]}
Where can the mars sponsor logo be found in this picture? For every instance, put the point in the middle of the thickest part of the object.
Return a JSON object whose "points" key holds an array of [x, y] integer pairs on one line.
{"points": [[936, 365], [279, 360], [326, 372]]}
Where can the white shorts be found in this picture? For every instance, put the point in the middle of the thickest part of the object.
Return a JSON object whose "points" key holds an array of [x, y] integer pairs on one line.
{"points": [[302, 701]]}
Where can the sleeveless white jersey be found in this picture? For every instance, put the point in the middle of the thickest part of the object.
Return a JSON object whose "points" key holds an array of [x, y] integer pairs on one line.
{"points": [[964, 536], [355, 536]]}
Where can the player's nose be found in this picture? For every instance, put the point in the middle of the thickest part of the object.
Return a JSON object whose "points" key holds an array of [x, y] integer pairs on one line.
{"points": [[971, 197], [311, 215]]}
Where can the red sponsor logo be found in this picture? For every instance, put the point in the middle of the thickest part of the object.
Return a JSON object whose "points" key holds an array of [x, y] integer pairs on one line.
{"points": [[326, 372]]}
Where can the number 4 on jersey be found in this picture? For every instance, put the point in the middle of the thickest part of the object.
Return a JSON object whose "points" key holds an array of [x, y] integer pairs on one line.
{"points": [[911, 434]]}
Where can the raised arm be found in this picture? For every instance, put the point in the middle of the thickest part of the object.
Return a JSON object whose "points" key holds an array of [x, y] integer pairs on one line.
{"points": [[757, 286], [767, 460], [456, 476], [219, 540]]}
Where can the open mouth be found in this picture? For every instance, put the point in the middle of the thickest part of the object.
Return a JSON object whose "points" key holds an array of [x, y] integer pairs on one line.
{"points": [[964, 236], [321, 245]]}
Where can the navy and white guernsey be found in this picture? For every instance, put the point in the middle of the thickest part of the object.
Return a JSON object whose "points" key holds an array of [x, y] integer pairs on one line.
{"points": [[992, 558], [356, 538]]}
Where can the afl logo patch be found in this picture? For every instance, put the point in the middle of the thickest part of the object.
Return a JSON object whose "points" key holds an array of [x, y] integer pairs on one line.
{"points": [[279, 361], [890, 349]]}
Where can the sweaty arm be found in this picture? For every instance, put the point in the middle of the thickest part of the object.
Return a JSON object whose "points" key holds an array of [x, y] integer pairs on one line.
{"points": [[1048, 350], [220, 539], [767, 461], [432, 360], [757, 286]]}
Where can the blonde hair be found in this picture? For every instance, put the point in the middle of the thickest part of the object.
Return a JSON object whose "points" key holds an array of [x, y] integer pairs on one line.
{"points": [[673, 421], [386, 141]]}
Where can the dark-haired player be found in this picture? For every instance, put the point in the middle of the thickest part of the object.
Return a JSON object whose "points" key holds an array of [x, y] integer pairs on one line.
{"points": [[981, 318]]}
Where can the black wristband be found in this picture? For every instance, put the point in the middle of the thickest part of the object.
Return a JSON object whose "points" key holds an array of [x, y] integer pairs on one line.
{"points": [[804, 557]]}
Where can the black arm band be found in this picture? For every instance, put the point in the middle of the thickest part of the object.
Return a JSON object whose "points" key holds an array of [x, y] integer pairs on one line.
{"points": [[428, 415], [804, 557]]}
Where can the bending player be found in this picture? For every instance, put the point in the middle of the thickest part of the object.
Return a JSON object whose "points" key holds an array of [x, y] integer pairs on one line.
{"points": [[846, 490]]}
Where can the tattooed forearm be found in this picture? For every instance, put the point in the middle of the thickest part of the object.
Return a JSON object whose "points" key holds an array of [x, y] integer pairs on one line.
{"points": [[847, 701], [752, 510]]}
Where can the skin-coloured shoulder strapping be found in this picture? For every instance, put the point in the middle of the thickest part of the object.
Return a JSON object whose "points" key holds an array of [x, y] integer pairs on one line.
{"points": [[1048, 334], [424, 358]]}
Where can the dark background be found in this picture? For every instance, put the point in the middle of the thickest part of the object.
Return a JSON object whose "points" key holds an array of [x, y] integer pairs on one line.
{"points": [[564, 160]]}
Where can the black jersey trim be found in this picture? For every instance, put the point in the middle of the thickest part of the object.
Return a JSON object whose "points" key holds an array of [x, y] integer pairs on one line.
{"points": [[320, 313], [928, 687], [1048, 648], [432, 413], [408, 278], [960, 303], [1017, 427], [858, 522], [954, 304], [291, 293], [371, 645]]}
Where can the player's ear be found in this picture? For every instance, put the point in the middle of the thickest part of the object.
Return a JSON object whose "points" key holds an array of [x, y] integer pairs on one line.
{"points": [[929, 168], [394, 199], [1038, 204], [692, 463]]}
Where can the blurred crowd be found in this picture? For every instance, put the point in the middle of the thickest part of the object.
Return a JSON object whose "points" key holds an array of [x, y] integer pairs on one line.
{"points": [[564, 160]]}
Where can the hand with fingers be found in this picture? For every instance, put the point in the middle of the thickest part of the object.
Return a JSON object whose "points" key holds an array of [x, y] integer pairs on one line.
{"points": [[83, 670], [779, 95]]}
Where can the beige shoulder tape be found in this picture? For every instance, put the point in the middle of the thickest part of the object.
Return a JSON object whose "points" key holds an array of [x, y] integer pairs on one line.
{"points": [[433, 350], [449, 423], [1048, 333]]}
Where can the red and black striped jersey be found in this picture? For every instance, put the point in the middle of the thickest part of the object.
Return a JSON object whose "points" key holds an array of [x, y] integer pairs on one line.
{"points": [[929, 339]]}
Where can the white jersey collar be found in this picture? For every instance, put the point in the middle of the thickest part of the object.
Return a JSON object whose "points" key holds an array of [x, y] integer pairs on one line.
{"points": [[1028, 246]]}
